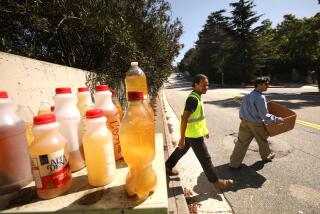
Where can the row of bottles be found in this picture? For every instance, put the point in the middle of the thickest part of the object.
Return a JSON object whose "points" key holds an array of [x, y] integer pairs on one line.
{"points": [[59, 146]]}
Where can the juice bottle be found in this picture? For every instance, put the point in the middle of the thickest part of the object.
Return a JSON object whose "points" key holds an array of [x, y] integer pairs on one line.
{"points": [[138, 147], [15, 170], [98, 149], [49, 158], [103, 101], [116, 102], [26, 114], [136, 80], [44, 108], [69, 117], [84, 101]]}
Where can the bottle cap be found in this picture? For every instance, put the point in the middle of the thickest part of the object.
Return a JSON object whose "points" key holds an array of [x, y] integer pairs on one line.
{"points": [[44, 119], [63, 90], [83, 89], [135, 95], [102, 88], [113, 91], [52, 108], [94, 113], [3, 94], [134, 63]]}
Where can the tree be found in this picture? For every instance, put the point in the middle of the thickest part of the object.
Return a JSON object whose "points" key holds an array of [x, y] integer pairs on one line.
{"points": [[99, 36]]}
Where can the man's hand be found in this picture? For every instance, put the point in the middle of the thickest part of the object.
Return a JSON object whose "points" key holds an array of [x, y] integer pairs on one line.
{"points": [[181, 143], [207, 136]]}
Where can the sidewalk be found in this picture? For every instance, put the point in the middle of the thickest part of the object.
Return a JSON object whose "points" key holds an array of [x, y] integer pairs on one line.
{"points": [[200, 195]]}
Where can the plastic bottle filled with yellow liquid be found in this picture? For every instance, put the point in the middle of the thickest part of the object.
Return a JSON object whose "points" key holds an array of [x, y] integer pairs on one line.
{"points": [[45, 108], [49, 158], [137, 137], [98, 149], [26, 114], [84, 101], [136, 80], [116, 102]]}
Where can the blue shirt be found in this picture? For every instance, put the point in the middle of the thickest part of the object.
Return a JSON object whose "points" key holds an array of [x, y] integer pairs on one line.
{"points": [[254, 108]]}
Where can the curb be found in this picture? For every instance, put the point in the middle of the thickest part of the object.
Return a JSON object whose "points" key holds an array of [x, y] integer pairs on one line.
{"points": [[192, 187]]}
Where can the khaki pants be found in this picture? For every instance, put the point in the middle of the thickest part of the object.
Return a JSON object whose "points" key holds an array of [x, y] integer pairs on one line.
{"points": [[247, 131]]}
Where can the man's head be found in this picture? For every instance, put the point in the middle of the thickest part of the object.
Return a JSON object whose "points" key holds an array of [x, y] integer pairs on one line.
{"points": [[261, 83], [200, 83]]}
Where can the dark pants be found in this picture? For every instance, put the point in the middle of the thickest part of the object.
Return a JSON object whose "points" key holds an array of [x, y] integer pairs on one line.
{"points": [[200, 150]]}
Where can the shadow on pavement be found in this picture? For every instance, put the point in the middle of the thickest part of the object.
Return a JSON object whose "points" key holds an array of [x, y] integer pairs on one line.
{"points": [[245, 177]]}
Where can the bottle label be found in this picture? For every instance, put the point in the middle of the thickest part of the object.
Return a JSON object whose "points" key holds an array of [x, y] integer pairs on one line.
{"points": [[51, 170], [113, 124]]}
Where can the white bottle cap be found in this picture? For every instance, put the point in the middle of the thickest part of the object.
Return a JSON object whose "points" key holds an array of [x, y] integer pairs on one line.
{"points": [[134, 63]]}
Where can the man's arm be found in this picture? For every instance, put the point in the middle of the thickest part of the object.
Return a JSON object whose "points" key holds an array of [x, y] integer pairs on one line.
{"points": [[183, 127], [262, 108]]}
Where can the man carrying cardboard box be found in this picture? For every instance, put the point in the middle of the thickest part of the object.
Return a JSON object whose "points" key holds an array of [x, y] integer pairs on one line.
{"points": [[253, 112]]}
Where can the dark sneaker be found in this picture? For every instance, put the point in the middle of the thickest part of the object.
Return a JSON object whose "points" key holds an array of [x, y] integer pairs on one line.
{"points": [[270, 157], [172, 171], [222, 183]]}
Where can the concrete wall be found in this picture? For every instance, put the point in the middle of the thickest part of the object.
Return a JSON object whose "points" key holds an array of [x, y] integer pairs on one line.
{"points": [[30, 81]]}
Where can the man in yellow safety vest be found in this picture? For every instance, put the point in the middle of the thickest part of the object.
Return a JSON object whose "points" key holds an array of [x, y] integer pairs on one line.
{"points": [[193, 129]]}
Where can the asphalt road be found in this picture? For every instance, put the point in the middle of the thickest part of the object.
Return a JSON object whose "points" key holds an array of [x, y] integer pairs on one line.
{"points": [[288, 184]]}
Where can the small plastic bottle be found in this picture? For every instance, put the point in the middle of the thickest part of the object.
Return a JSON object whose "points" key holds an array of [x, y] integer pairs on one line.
{"points": [[98, 149], [26, 114], [103, 101], [44, 108], [84, 101], [137, 136], [49, 158], [69, 117], [15, 170], [116, 102]]}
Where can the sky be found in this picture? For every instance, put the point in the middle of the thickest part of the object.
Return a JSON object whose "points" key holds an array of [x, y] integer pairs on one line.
{"points": [[193, 14]]}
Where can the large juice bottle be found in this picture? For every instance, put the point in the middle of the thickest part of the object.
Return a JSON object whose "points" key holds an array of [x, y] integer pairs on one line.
{"points": [[26, 114], [98, 149], [84, 101], [103, 101], [15, 170], [49, 158], [137, 139], [136, 80], [69, 117]]}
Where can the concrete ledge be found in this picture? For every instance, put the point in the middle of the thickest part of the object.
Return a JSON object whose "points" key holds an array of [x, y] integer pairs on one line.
{"points": [[82, 198]]}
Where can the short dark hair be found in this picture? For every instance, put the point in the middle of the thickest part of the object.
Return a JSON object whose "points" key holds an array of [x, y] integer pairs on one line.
{"points": [[260, 80], [198, 78]]}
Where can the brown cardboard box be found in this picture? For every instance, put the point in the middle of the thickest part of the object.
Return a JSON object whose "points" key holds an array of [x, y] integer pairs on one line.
{"points": [[288, 116]]}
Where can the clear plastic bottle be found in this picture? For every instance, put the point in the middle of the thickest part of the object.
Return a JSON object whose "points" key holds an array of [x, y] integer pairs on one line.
{"points": [[69, 117], [137, 136], [15, 170], [49, 158], [44, 108], [98, 149], [84, 101], [116, 102], [136, 80], [103, 101], [26, 114]]}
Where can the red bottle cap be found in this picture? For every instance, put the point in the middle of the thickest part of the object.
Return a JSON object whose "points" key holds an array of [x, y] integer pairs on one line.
{"points": [[83, 89], [63, 90], [94, 113], [102, 88], [52, 108], [135, 95], [3, 94], [44, 119], [113, 91]]}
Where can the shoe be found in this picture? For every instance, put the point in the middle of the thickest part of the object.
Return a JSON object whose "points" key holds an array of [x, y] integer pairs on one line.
{"points": [[269, 158], [222, 183], [172, 171]]}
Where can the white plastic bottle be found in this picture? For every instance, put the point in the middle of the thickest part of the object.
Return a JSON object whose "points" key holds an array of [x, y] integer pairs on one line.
{"points": [[69, 117], [15, 169], [49, 157], [84, 101], [98, 149], [103, 100]]}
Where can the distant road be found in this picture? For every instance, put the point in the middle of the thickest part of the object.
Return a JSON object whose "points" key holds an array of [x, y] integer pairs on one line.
{"points": [[289, 184]]}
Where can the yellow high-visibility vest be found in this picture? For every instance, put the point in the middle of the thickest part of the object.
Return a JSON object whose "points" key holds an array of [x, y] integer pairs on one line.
{"points": [[196, 125]]}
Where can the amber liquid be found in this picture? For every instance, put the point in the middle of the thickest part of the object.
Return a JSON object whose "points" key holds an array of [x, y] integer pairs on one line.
{"points": [[138, 149], [136, 83], [29, 134]]}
